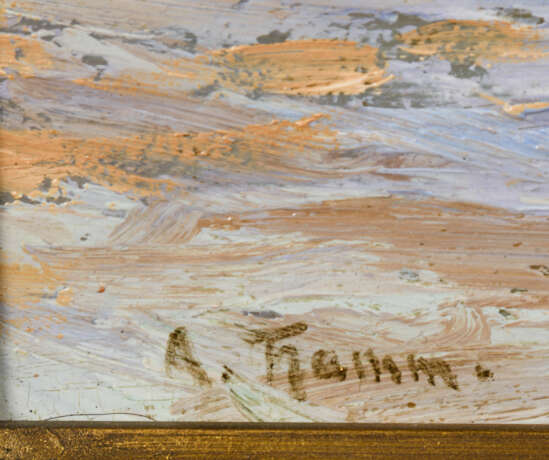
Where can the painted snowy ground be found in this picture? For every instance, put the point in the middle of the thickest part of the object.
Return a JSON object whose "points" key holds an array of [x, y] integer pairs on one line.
{"points": [[274, 211]]}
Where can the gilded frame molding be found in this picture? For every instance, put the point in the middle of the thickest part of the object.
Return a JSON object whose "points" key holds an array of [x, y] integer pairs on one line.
{"points": [[96, 440]]}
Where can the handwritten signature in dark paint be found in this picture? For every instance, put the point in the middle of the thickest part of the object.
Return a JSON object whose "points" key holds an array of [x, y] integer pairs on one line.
{"points": [[324, 364]]}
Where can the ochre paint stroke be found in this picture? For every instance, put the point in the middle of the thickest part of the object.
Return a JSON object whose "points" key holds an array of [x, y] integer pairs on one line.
{"points": [[517, 110], [304, 67], [24, 55], [135, 163], [124, 84], [439, 239], [174, 72], [465, 41], [24, 284], [427, 235]]}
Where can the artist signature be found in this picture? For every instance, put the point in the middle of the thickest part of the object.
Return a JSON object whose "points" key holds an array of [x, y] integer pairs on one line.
{"points": [[324, 364]]}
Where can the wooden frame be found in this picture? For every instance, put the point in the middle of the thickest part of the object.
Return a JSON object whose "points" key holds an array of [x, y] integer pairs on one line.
{"points": [[61, 440]]}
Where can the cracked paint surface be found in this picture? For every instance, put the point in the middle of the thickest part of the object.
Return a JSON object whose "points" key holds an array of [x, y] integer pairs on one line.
{"points": [[272, 211]]}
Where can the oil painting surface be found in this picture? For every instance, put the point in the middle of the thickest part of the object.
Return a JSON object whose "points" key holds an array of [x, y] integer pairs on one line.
{"points": [[275, 211]]}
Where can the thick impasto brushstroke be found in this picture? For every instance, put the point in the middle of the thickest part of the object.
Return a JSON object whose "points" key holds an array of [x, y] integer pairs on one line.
{"points": [[317, 212], [302, 67]]}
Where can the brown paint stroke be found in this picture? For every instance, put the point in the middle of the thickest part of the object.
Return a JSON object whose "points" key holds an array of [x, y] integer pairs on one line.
{"points": [[359, 367], [326, 365], [483, 374], [432, 368], [274, 335], [543, 269], [387, 363], [272, 356], [179, 354], [393, 369], [374, 363], [295, 375], [226, 375]]}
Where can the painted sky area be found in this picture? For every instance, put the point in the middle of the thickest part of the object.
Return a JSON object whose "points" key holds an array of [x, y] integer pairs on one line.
{"points": [[275, 211]]}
